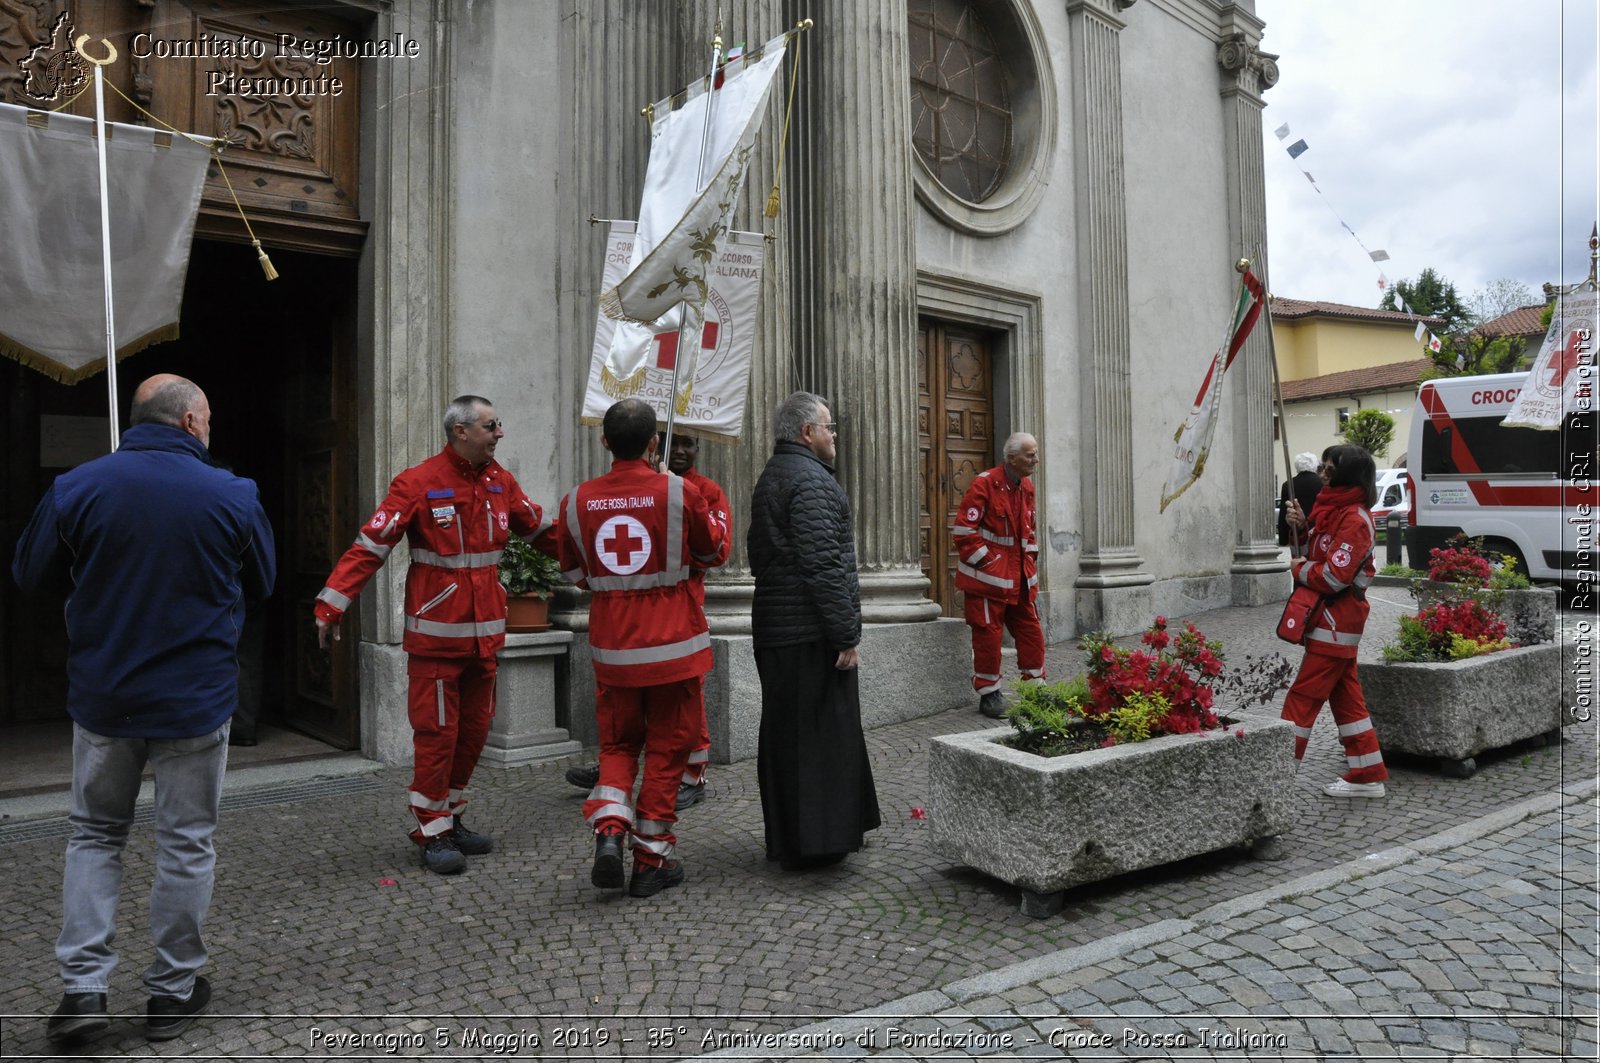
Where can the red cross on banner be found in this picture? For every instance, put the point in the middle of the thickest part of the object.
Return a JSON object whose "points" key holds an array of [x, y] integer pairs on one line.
{"points": [[1569, 359], [667, 345]]}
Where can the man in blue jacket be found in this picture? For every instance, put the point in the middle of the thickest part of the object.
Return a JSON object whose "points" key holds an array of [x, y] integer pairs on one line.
{"points": [[159, 552]]}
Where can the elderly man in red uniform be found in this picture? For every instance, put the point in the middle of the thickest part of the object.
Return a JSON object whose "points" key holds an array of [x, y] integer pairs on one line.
{"points": [[681, 459], [998, 546], [456, 510], [633, 537]]}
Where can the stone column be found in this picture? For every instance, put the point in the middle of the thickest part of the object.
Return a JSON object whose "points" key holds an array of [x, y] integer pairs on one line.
{"points": [[1246, 70], [729, 589], [616, 56], [1112, 589], [852, 254], [403, 321]]}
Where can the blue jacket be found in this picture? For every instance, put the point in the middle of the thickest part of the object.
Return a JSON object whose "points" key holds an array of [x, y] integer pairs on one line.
{"points": [[159, 551]]}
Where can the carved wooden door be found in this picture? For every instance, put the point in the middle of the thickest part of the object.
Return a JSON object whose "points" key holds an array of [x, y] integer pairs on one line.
{"points": [[955, 407]]}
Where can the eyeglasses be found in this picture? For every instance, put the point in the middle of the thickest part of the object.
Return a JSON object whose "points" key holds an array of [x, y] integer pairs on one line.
{"points": [[490, 426], [832, 426]]}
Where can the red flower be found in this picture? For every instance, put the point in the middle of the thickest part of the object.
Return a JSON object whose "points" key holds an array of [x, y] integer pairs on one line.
{"points": [[919, 813]]}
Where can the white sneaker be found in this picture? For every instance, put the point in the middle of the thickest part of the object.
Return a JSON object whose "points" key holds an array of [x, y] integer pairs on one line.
{"points": [[1344, 788]]}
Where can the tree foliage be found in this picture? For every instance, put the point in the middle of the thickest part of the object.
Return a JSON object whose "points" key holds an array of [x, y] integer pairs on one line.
{"points": [[1372, 429], [1430, 295], [1498, 298]]}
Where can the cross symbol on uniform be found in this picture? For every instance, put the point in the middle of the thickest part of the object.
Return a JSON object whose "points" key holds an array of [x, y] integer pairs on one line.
{"points": [[1567, 360], [622, 544]]}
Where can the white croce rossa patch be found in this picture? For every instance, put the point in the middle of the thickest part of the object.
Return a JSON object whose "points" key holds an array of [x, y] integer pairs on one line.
{"points": [[622, 544]]}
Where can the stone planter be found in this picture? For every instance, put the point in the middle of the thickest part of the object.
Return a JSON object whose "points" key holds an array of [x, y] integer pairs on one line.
{"points": [[1048, 823], [1456, 710], [1530, 615]]}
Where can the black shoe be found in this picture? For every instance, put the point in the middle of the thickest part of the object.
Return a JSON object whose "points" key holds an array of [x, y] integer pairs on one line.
{"points": [[78, 1017], [607, 871], [649, 881], [442, 857], [690, 794], [993, 705], [584, 778], [470, 842], [810, 863], [167, 1017]]}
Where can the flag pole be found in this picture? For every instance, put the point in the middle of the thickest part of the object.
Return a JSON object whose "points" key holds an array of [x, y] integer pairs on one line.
{"points": [[1277, 391], [699, 177], [105, 224]]}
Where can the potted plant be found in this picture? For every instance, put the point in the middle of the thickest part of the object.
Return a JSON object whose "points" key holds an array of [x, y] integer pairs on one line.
{"points": [[1125, 768], [1464, 568], [1454, 683], [529, 577]]}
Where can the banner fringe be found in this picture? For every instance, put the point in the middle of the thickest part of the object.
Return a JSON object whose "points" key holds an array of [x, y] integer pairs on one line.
{"points": [[31, 358], [622, 387]]}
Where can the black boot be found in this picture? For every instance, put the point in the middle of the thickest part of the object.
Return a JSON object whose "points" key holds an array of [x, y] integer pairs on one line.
{"points": [[441, 856], [470, 842], [584, 777], [649, 881], [78, 1017], [607, 871], [993, 705]]}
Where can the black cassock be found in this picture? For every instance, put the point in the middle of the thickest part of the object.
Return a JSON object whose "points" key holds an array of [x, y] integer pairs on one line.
{"points": [[817, 795]]}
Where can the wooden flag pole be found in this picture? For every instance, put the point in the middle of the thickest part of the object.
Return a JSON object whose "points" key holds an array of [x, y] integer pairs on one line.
{"points": [[1277, 391], [699, 179], [105, 224]]}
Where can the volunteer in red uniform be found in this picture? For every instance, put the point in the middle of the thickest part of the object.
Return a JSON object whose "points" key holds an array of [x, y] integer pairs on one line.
{"points": [[685, 449], [1339, 564], [998, 570], [456, 510], [632, 537]]}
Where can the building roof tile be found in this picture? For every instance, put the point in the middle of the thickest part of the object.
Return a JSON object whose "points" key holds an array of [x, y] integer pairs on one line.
{"points": [[1523, 321], [1299, 309], [1357, 381]]}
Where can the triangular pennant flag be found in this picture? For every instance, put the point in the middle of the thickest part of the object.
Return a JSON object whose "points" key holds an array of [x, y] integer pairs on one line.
{"points": [[1383, 282]]}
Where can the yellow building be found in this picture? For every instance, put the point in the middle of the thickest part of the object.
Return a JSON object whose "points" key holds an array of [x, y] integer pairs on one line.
{"points": [[1336, 359]]}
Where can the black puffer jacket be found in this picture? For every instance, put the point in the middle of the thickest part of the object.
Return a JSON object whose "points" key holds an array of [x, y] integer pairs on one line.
{"points": [[803, 553]]}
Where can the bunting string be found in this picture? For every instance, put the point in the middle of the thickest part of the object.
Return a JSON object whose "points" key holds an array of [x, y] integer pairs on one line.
{"points": [[1299, 147]]}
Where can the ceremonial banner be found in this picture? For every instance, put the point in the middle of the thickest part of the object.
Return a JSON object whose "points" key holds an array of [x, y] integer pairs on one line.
{"points": [[1562, 378], [683, 220], [1192, 440], [53, 315], [714, 380]]}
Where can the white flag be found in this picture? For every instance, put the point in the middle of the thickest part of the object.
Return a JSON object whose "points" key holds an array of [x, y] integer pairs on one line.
{"points": [[1562, 378], [690, 195], [714, 379], [53, 314]]}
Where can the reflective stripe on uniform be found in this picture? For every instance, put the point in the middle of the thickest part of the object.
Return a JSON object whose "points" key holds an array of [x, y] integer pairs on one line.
{"points": [[458, 800], [611, 811], [960, 530], [672, 651], [419, 801], [333, 598], [437, 598], [1337, 638], [647, 836], [1030, 547], [428, 557], [1348, 729], [482, 629], [438, 694], [576, 532], [640, 581], [435, 827], [1329, 578], [572, 575], [1302, 732], [984, 577], [372, 547], [673, 561], [1366, 760], [998, 540], [977, 555], [700, 756], [608, 793]]}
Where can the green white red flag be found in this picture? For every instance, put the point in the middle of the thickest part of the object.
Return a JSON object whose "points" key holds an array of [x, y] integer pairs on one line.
{"points": [[1192, 440]]}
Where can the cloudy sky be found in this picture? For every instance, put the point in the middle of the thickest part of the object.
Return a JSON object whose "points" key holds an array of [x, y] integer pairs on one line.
{"points": [[1457, 134]]}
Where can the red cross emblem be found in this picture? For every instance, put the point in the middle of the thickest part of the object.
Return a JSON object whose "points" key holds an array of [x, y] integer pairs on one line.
{"points": [[667, 344], [623, 545], [1568, 360]]}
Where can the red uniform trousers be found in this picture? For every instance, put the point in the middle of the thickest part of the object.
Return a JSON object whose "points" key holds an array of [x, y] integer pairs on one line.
{"points": [[1333, 679], [664, 722], [451, 704], [985, 616], [694, 773]]}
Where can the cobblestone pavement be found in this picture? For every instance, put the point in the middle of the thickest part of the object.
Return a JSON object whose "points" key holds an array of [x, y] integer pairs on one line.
{"points": [[327, 938]]}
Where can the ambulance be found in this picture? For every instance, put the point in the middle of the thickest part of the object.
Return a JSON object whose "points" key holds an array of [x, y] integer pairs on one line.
{"points": [[1528, 493]]}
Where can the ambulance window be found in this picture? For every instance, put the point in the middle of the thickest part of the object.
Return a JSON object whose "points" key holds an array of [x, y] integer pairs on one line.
{"points": [[1391, 497], [1436, 442], [1495, 449]]}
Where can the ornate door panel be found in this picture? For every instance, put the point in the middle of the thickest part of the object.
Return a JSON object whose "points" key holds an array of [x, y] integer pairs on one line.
{"points": [[955, 405]]}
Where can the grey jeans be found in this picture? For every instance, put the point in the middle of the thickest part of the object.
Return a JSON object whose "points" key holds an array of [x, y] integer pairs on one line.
{"points": [[105, 784]]}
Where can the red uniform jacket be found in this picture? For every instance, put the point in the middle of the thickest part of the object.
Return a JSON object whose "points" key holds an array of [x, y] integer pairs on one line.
{"points": [[457, 521], [1339, 563], [996, 539], [630, 537], [720, 513]]}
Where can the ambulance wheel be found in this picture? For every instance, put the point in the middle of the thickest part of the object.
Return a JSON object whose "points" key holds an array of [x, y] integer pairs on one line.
{"points": [[1505, 546]]}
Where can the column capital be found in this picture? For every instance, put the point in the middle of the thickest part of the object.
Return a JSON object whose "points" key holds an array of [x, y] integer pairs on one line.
{"points": [[1246, 68], [1105, 11]]}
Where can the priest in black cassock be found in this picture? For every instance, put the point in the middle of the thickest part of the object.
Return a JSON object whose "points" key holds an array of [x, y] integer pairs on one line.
{"points": [[817, 795]]}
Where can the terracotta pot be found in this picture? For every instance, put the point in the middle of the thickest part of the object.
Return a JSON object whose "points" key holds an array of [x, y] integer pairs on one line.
{"points": [[527, 613]]}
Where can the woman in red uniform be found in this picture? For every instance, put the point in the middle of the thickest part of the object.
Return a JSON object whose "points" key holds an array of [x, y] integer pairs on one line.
{"points": [[1339, 565]]}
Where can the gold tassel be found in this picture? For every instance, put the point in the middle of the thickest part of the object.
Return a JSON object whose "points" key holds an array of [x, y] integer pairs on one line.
{"points": [[682, 401], [266, 263], [772, 201], [619, 388]]}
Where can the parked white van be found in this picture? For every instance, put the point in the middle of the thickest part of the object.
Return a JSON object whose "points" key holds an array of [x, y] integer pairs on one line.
{"points": [[1392, 495], [1528, 493]]}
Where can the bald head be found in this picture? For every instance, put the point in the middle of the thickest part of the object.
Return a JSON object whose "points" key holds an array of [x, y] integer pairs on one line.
{"points": [[172, 400]]}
